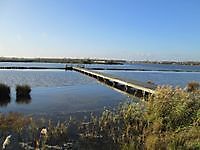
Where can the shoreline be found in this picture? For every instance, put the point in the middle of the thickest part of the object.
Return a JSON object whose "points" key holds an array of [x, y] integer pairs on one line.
{"points": [[93, 68], [96, 61]]}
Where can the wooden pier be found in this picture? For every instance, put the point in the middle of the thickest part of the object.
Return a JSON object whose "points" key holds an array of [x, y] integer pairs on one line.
{"points": [[136, 88]]}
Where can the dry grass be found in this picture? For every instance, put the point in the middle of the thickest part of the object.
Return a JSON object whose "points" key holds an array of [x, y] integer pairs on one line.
{"points": [[170, 119], [193, 86]]}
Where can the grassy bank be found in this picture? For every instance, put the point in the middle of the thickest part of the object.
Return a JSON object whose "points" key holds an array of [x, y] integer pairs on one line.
{"points": [[170, 119]]}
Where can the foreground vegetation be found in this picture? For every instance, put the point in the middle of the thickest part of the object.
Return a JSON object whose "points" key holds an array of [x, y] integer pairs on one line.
{"points": [[170, 119]]}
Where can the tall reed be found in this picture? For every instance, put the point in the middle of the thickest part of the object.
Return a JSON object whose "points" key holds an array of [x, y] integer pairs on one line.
{"points": [[23, 91], [4, 91]]}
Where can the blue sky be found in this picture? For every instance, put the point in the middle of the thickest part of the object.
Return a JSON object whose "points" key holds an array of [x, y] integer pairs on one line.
{"points": [[122, 29]]}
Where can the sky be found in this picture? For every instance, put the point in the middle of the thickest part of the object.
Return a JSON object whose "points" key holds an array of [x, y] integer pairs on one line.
{"points": [[111, 29]]}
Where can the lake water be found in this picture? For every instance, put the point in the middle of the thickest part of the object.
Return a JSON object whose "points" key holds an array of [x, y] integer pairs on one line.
{"points": [[154, 67], [158, 77], [57, 93]]}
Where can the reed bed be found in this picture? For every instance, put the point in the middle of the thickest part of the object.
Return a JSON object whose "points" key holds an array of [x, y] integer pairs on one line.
{"points": [[4, 91], [23, 91], [170, 119]]}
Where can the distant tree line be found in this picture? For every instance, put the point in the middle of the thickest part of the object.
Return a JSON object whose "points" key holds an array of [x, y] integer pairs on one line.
{"points": [[168, 62], [62, 60], [93, 61]]}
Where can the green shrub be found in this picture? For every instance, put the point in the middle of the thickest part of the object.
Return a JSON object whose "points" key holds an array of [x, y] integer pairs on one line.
{"points": [[23, 91]]}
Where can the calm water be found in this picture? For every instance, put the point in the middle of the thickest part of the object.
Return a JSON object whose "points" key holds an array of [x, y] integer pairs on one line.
{"points": [[158, 77], [44, 78], [154, 67], [56, 101], [34, 64], [56, 93]]}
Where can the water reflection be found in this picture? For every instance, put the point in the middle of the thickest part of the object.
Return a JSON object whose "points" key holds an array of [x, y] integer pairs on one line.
{"points": [[4, 102], [23, 100]]}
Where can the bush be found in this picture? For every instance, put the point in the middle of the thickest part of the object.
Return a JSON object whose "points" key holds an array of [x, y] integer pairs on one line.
{"points": [[173, 107], [23, 91], [193, 86], [170, 119], [4, 91]]}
